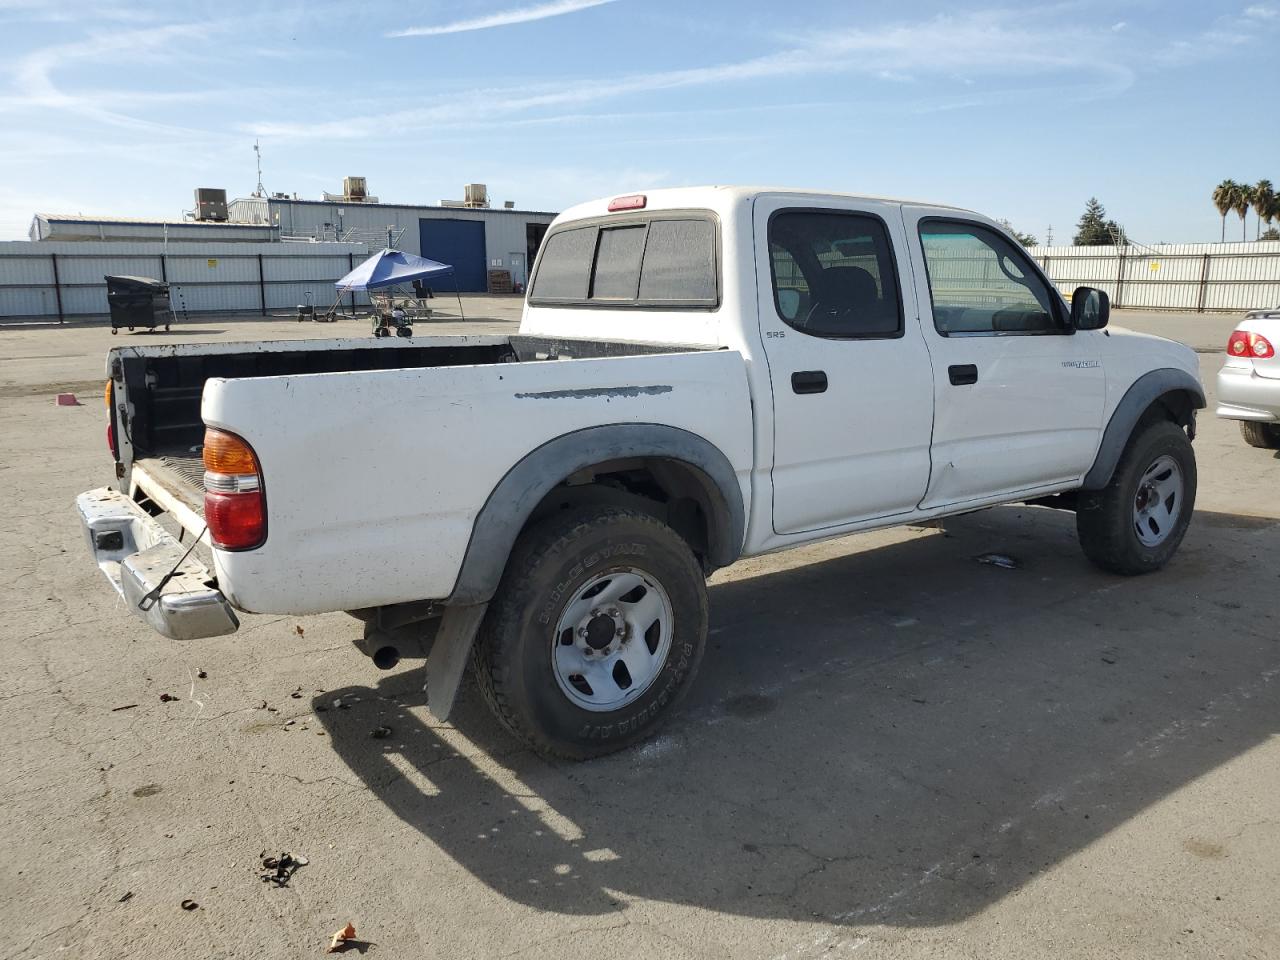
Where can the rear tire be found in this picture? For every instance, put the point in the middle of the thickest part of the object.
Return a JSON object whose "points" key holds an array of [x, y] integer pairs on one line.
{"points": [[569, 667], [1265, 436], [1135, 524]]}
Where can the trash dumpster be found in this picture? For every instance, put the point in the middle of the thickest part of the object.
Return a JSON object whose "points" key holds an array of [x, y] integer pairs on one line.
{"points": [[138, 302]]}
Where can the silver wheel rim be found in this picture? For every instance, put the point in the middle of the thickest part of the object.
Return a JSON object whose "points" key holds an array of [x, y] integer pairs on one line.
{"points": [[612, 640], [1158, 502]]}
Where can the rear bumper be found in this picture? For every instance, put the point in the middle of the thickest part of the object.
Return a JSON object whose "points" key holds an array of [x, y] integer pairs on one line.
{"points": [[135, 554], [1243, 395]]}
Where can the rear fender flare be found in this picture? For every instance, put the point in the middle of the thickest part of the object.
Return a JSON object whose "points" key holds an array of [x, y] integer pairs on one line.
{"points": [[514, 499]]}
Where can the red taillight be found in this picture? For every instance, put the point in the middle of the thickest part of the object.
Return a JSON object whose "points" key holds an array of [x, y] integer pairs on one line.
{"points": [[235, 507], [1246, 343], [632, 201], [237, 521], [107, 395]]}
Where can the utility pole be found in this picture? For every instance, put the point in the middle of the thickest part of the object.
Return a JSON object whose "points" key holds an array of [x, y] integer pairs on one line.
{"points": [[260, 191], [1048, 240]]}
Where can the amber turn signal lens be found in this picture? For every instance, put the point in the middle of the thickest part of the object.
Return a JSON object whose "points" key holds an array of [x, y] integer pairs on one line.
{"points": [[226, 453], [106, 395]]}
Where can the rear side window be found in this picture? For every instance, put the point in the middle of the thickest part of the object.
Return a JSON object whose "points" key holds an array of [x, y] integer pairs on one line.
{"points": [[834, 275], [653, 262]]}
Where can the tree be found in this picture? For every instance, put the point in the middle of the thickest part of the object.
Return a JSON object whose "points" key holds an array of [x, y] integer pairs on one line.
{"points": [[1265, 204], [1223, 194], [1241, 198], [1095, 230], [1026, 239], [1272, 234]]}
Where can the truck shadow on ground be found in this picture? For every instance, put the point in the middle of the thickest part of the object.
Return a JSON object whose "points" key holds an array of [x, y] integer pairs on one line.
{"points": [[897, 735]]}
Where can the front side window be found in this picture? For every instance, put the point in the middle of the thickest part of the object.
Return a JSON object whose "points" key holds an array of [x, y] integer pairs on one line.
{"points": [[833, 274], [980, 282], [662, 261]]}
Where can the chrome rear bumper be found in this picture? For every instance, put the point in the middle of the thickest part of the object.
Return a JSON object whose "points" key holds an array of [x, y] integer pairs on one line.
{"points": [[135, 554]]}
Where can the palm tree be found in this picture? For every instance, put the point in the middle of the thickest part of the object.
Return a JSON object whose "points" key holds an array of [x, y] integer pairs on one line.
{"points": [[1241, 199], [1222, 196], [1265, 204]]}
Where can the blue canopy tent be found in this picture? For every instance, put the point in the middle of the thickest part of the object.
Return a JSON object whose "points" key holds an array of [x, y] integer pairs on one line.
{"points": [[389, 268]]}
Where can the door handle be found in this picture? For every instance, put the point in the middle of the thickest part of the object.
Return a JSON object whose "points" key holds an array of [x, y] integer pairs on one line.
{"points": [[963, 374], [809, 381]]}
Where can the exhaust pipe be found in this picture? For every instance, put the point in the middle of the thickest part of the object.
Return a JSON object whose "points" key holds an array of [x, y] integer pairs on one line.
{"points": [[400, 632]]}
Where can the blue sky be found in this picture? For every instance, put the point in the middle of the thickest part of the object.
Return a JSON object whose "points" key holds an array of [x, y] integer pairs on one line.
{"points": [[1020, 110]]}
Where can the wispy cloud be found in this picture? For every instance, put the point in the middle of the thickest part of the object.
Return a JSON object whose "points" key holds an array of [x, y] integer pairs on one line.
{"points": [[503, 18], [990, 45]]}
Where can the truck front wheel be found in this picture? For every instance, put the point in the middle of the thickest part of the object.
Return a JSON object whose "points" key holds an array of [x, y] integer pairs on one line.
{"points": [[595, 633], [1135, 524]]}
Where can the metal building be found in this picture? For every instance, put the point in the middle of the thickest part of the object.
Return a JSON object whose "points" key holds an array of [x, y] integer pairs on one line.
{"points": [[474, 240], [54, 226]]}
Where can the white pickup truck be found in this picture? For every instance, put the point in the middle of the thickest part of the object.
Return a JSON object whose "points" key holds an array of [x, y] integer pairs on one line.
{"points": [[700, 375]]}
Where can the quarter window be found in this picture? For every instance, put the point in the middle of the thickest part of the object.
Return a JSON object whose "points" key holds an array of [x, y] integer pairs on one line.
{"points": [[834, 275], [979, 282]]}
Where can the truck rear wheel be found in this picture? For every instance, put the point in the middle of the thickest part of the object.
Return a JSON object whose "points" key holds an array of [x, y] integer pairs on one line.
{"points": [[1263, 435], [595, 633], [1135, 524]]}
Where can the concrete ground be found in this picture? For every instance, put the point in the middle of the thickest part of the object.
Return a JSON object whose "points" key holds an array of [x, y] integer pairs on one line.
{"points": [[891, 749]]}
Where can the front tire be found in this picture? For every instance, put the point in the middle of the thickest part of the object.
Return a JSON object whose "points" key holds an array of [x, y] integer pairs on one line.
{"points": [[595, 633], [1265, 436], [1135, 524]]}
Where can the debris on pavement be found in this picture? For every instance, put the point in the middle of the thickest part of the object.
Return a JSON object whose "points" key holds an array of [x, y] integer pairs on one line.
{"points": [[67, 400], [380, 733], [167, 697], [201, 674], [280, 869], [189, 905], [1001, 560], [127, 706], [342, 938], [128, 895], [301, 632], [297, 693]]}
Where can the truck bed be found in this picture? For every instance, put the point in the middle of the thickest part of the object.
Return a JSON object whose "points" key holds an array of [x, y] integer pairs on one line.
{"points": [[164, 386]]}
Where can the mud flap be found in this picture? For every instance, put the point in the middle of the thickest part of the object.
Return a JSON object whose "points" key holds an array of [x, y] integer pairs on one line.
{"points": [[449, 656]]}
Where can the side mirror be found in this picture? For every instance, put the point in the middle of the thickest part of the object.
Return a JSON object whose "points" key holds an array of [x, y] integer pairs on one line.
{"points": [[1090, 309]]}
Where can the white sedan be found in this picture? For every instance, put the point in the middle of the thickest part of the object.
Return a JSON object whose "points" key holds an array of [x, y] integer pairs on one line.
{"points": [[1249, 381]]}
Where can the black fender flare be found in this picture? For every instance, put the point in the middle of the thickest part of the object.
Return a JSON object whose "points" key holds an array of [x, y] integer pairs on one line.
{"points": [[1143, 392], [519, 492]]}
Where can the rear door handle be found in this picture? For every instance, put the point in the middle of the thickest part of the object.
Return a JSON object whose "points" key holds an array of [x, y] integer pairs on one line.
{"points": [[809, 381], [963, 374]]}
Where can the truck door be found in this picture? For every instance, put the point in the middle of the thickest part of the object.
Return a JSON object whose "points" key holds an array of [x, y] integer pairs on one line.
{"points": [[1018, 395], [852, 387]]}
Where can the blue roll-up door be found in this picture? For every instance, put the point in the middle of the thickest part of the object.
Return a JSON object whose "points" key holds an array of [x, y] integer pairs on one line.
{"points": [[461, 243]]}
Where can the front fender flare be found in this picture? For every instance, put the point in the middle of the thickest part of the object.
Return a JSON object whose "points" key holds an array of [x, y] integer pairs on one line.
{"points": [[513, 500], [1141, 394]]}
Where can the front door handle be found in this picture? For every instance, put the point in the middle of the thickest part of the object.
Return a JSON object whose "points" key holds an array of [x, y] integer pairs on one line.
{"points": [[962, 374], [809, 381]]}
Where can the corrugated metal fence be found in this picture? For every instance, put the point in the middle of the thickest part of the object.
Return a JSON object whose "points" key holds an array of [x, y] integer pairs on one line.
{"points": [[58, 281], [1186, 276]]}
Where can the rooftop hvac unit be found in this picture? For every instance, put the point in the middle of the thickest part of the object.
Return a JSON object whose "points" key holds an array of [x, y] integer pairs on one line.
{"points": [[211, 204], [475, 195], [508, 204], [354, 189]]}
